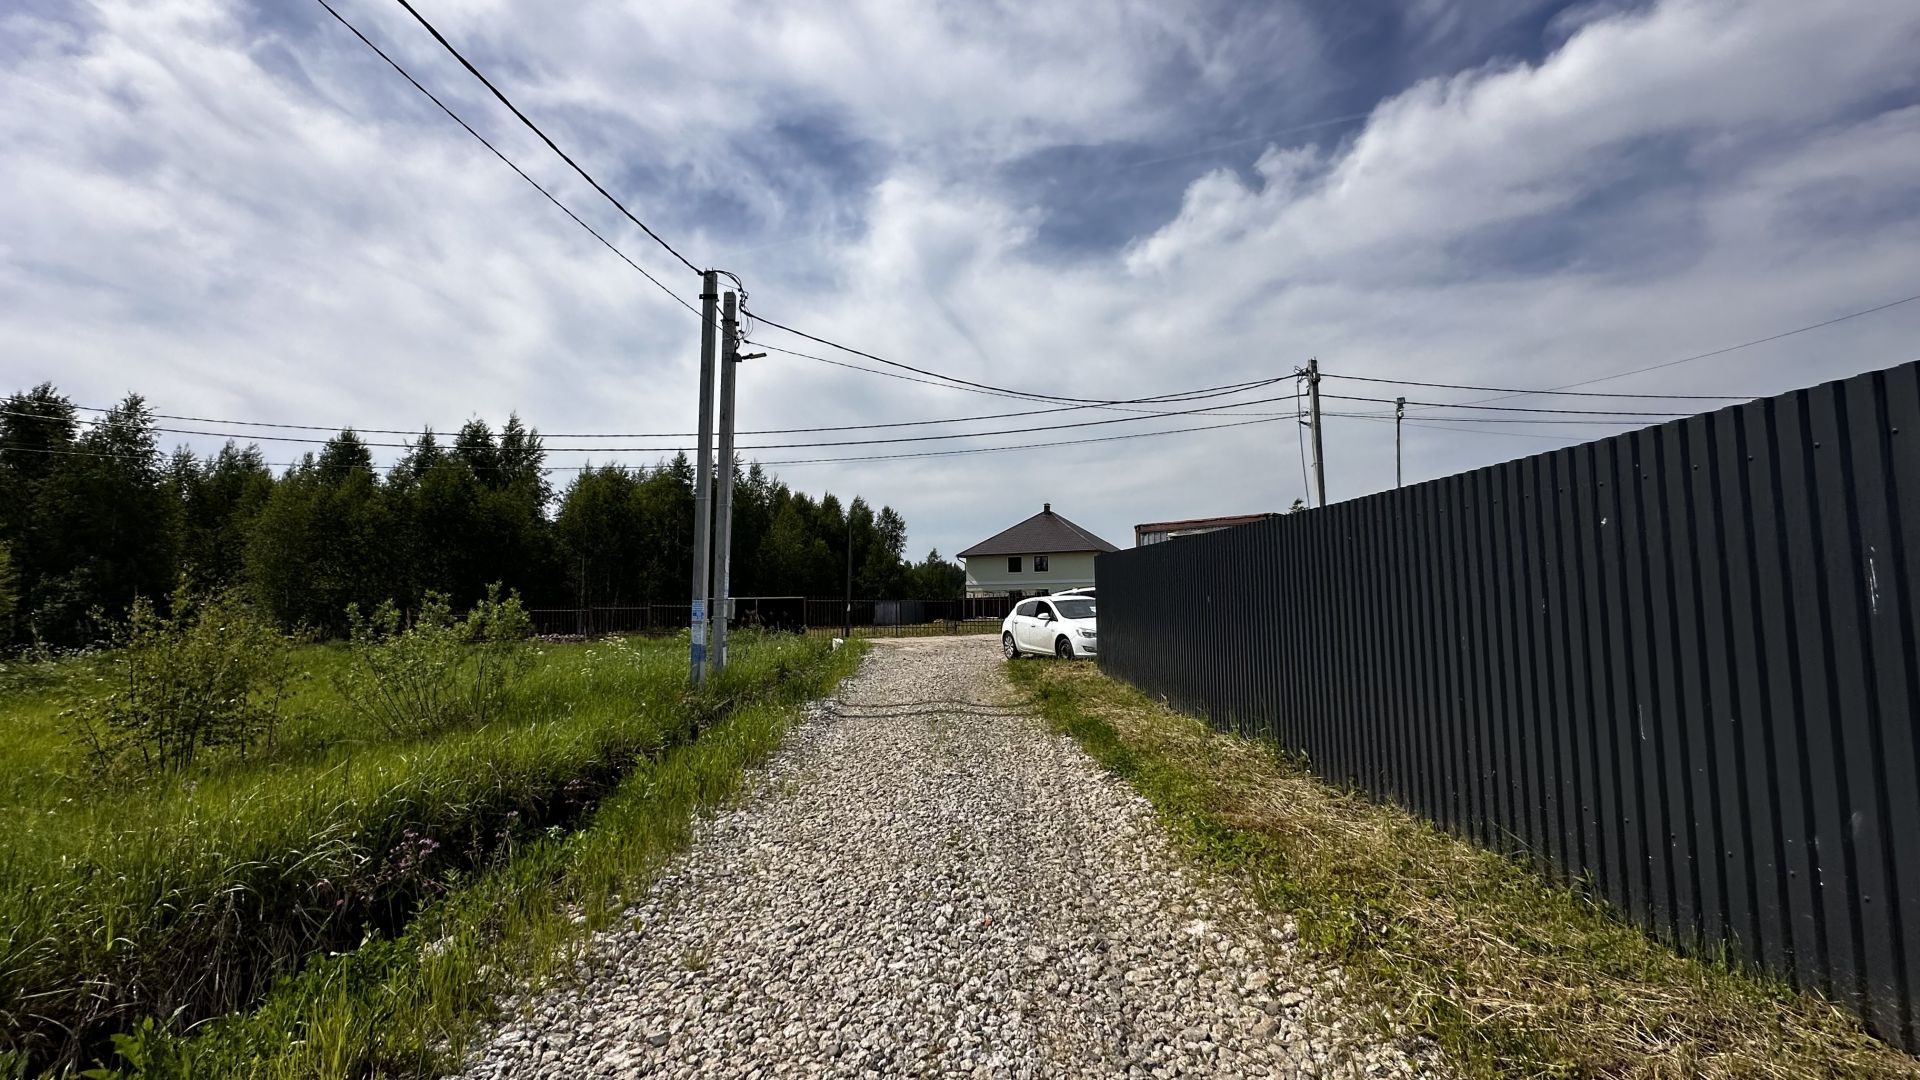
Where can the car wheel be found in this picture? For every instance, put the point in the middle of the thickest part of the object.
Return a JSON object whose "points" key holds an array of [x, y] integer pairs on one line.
{"points": [[1063, 648], [1007, 646]]}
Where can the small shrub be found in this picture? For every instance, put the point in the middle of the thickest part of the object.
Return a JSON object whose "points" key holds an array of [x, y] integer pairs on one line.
{"points": [[437, 672], [211, 674], [498, 632]]}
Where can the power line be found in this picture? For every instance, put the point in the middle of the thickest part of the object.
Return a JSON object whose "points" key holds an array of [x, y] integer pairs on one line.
{"points": [[535, 128], [963, 383], [1509, 408], [821, 461], [1716, 352], [748, 317], [944, 379], [1019, 431], [1563, 393], [949, 378], [1619, 422], [504, 159], [768, 446], [1114, 405], [161, 458], [1144, 413], [1383, 418], [1210, 392], [1029, 446]]}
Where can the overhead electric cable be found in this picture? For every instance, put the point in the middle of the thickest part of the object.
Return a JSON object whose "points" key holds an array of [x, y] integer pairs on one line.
{"points": [[1467, 430], [865, 457], [1027, 446], [746, 316], [1013, 395], [1202, 410], [1506, 408], [1716, 352], [1563, 393], [1624, 422], [1144, 414], [504, 159], [937, 375], [535, 128]]}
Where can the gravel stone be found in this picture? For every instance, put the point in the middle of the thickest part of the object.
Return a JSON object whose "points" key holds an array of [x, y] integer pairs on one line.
{"points": [[927, 881]]}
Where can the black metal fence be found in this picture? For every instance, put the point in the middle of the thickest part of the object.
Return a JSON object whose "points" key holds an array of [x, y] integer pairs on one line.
{"points": [[796, 614], [1681, 660]]}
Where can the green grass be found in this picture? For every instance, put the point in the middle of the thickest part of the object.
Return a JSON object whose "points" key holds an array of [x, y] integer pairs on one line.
{"points": [[188, 897], [409, 1007], [1505, 973]]}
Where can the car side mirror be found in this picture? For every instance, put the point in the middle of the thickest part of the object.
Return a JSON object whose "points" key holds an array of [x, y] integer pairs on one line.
{"points": [[1046, 616]]}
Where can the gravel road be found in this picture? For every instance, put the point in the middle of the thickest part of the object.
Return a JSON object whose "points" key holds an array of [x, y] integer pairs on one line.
{"points": [[927, 881]]}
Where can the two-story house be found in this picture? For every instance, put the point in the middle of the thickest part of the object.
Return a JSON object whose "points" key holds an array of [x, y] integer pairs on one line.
{"points": [[1043, 554]]}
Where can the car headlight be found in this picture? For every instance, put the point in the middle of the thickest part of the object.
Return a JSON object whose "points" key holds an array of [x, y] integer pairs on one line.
{"points": [[1083, 631]]}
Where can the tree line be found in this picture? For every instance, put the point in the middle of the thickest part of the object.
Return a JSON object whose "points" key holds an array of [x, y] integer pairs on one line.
{"points": [[93, 515]]}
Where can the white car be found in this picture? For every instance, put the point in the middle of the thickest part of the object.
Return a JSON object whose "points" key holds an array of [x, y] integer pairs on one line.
{"points": [[1062, 625]]}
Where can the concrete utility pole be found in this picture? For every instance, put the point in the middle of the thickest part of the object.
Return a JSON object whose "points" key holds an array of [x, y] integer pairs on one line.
{"points": [[1319, 457], [849, 626], [703, 483], [723, 509], [1399, 414]]}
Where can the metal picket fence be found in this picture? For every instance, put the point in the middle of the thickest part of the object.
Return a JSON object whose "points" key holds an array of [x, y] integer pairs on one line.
{"points": [[795, 614]]}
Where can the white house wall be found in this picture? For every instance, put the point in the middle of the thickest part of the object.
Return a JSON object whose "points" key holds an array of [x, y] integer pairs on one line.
{"points": [[988, 573]]}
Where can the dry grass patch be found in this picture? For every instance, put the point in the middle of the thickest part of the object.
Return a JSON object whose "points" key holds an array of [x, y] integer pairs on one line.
{"points": [[1508, 974]]}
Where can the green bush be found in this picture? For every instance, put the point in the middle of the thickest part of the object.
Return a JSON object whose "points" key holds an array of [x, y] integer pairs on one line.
{"points": [[438, 672], [211, 674]]}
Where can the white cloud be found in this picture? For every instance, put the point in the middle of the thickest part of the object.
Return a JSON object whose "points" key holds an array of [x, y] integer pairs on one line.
{"points": [[262, 222]]}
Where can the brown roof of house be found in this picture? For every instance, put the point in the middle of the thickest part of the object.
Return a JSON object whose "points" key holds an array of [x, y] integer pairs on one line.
{"points": [[1198, 523], [1045, 533]]}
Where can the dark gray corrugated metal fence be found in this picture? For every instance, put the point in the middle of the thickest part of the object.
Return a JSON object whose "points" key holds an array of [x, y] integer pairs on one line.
{"points": [[1682, 660]]}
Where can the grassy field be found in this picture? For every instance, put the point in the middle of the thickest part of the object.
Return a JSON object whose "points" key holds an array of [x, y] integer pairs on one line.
{"points": [[194, 895], [1507, 975]]}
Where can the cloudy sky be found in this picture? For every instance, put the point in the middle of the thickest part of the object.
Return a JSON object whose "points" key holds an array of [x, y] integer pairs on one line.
{"points": [[239, 211]]}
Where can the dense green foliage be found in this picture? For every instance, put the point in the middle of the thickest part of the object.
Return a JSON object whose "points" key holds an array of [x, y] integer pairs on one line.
{"points": [[187, 894], [94, 515], [210, 675], [439, 671]]}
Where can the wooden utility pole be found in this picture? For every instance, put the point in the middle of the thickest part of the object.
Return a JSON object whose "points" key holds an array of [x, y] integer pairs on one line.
{"points": [[1319, 454], [703, 484]]}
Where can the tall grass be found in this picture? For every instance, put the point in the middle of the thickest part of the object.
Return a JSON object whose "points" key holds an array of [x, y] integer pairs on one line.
{"points": [[410, 1007], [1503, 972], [187, 897]]}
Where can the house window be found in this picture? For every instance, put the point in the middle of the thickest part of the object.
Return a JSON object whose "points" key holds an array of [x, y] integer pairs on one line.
{"points": [[1013, 564], [1039, 564]]}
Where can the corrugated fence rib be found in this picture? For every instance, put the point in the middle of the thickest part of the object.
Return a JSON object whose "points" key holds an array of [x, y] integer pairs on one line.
{"points": [[1680, 663]]}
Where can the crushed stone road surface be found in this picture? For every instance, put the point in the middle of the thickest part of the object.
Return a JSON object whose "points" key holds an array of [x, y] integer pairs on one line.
{"points": [[929, 882]]}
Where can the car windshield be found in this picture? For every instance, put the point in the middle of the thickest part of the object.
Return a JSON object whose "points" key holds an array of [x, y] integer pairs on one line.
{"points": [[1074, 608]]}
